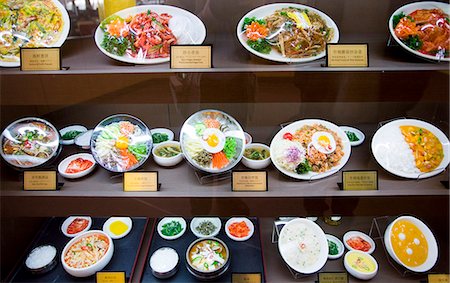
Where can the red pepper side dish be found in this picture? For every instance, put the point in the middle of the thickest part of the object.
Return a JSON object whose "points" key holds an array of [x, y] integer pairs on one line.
{"points": [[239, 229], [77, 225], [78, 165], [359, 243]]}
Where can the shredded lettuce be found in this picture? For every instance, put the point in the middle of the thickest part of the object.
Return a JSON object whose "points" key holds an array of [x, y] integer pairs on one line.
{"points": [[139, 150]]}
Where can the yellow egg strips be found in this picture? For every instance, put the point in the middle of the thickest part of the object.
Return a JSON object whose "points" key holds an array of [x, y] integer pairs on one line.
{"points": [[409, 243]]}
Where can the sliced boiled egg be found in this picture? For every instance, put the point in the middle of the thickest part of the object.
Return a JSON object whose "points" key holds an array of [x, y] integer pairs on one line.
{"points": [[213, 140], [323, 142]]}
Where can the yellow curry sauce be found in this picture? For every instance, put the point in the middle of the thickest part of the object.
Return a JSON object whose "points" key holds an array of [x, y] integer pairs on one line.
{"points": [[426, 147], [409, 243]]}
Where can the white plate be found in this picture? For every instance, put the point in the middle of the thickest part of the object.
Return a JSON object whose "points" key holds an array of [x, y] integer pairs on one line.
{"points": [[408, 9], [240, 219], [69, 220], [433, 251], [187, 28], [64, 130], [357, 132], [339, 244], [197, 220], [63, 166], [351, 234], [383, 143], [274, 55], [287, 243], [170, 219], [62, 38], [166, 131], [126, 220], [291, 128], [84, 139]]}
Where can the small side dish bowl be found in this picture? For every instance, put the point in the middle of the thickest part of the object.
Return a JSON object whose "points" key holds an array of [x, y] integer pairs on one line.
{"points": [[41, 259], [166, 133], [107, 249], [248, 138], [232, 222], [76, 225], [338, 245], [198, 222], [84, 139], [358, 133], [252, 156], [356, 240], [164, 262], [66, 131], [117, 227], [169, 224], [361, 265], [165, 155], [63, 166]]}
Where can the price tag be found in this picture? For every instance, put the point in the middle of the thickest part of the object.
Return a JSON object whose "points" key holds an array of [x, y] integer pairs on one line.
{"points": [[249, 181], [110, 277], [333, 277], [246, 278], [140, 181], [359, 180], [438, 278], [40, 59], [347, 55], [190, 56], [40, 180]]}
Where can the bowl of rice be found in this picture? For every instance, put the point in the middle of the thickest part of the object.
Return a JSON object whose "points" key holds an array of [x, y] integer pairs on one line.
{"points": [[87, 253]]}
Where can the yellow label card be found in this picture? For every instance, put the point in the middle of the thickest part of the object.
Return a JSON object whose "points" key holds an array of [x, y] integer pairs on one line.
{"points": [[347, 55], [110, 277], [40, 59], [249, 181], [190, 56], [246, 278], [140, 181], [40, 181], [333, 277], [359, 180], [438, 278]]}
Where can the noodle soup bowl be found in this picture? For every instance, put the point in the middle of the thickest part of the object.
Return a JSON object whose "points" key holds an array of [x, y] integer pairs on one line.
{"points": [[94, 267]]}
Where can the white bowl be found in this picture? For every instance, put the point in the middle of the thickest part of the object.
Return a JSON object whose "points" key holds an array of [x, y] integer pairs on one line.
{"points": [[90, 270], [197, 220], [357, 132], [256, 164], [84, 140], [248, 138], [79, 128], [167, 161], [240, 219], [339, 244], [166, 220], [358, 273], [107, 226], [69, 220], [431, 240], [63, 166], [351, 234], [166, 131]]}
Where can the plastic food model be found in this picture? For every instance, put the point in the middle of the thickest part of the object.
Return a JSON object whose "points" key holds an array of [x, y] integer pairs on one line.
{"points": [[29, 142], [212, 141], [121, 143]]}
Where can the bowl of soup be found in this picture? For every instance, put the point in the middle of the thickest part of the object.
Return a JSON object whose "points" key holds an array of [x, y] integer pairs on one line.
{"points": [[167, 153], [360, 264], [87, 253], [411, 244], [256, 156], [207, 258]]}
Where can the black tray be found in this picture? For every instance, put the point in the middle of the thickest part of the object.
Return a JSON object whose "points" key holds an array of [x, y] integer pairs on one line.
{"points": [[246, 257], [125, 252]]}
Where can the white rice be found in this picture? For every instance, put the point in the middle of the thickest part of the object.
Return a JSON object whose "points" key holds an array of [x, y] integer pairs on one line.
{"points": [[281, 153], [395, 152], [164, 260], [40, 257]]}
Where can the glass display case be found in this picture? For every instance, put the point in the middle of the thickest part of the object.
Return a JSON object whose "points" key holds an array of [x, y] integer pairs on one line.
{"points": [[263, 96]]}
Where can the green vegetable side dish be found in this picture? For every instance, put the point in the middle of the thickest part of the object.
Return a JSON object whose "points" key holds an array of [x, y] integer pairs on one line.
{"points": [[70, 135], [256, 153], [332, 248], [206, 228], [230, 147], [352, 136], [303, 168], [168, 151], [171, 228], [159, 137], [112, 44]]}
